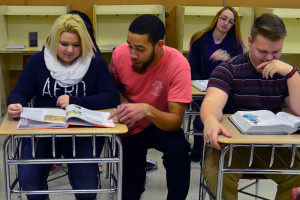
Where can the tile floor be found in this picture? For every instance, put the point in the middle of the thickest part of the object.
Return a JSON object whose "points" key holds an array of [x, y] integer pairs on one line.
{"points": [[156, 185]]}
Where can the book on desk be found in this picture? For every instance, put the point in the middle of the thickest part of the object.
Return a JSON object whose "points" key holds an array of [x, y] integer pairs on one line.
{"points": [[262, 122], [36, 118], [200, 84]]}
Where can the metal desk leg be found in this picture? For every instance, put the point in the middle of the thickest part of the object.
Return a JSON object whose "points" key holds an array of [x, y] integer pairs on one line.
{"points": [[184, 120], [10, 158], [202, 191], [120, 166], [220, 173], [6, 166]]}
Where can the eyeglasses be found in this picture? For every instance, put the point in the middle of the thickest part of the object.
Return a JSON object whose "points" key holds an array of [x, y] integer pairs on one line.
{"points": [[224, 19]]}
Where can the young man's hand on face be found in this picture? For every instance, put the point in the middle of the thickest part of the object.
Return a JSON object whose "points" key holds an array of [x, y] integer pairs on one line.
{"points": [[269, 68]]}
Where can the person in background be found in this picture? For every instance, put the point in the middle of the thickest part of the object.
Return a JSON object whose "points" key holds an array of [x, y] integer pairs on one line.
{"points": [[155, 81], [256, 80], [209, 47], [67, 71]]}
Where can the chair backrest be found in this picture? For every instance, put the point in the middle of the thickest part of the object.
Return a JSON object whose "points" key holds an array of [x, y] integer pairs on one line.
{"points": [[25, 59]]}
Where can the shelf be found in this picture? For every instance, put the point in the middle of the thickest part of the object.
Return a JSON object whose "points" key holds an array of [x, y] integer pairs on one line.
{"points": [[280, 12], [290, 48], [33, 10], [190, 19], [111, 22], [128, 9], [107, 48], [17, 21], [17, 51], [201, 10]]}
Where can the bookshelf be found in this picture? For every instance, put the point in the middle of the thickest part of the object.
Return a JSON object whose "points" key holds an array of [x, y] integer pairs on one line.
{"points": [[15, 24], [190, 19], [111, 22], [17, 21]]}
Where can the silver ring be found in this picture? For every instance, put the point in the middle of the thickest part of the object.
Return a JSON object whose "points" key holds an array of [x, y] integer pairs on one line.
{"points": [[207, 142]]}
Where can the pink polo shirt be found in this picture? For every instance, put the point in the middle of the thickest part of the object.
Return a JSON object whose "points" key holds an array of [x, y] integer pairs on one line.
{"points": [[168, 81]]}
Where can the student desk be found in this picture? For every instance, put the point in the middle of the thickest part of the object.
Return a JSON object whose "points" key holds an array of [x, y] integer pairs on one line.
{"points": [[113, 156], [186, 124], [290, 142]]}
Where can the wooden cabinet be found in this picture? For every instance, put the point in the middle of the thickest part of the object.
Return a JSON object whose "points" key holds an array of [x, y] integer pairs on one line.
{"points": [[15, 24]]}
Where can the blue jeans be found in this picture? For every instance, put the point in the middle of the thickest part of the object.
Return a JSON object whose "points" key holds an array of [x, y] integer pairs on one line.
{"points": [[81, 175], [175, 160]]}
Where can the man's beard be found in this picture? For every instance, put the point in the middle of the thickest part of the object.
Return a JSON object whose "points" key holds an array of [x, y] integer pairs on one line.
{"points": [[143, 68]]}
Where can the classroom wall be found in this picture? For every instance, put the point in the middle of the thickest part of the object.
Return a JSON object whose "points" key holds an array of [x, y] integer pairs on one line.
{"points": [[170, 5]]}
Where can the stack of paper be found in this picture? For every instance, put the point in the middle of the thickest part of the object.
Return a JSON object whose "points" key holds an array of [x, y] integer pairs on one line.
{"points": [[16, 46]]}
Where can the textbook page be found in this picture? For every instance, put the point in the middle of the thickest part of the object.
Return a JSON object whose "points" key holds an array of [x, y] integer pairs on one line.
{"points": [[84, 116], [32, 118], [260, 122], [289, 118], [44, 114]]}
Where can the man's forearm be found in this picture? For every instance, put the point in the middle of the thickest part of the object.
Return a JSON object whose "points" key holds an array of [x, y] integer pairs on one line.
{"points": [[209, 111], [168, 121]]}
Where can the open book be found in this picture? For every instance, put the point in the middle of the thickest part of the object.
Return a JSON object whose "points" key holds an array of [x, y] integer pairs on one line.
{"points": [[33, 118], [265, 122], [200, 85]]}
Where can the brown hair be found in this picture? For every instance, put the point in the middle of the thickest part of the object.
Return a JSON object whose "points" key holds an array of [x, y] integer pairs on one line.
{"points": [[269, 26], [235, 30]]}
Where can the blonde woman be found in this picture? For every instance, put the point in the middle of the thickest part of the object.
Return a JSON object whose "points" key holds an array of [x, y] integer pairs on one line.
{"points": [[67, 71], [218, 42]]}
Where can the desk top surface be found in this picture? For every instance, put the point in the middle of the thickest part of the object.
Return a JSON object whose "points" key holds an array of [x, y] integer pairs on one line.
{"points": [[239, 138], [196, 92], [9, 125]]}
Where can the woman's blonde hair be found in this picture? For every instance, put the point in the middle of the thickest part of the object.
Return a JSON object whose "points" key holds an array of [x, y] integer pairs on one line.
{"points": [[235, 30], [73, 24]]}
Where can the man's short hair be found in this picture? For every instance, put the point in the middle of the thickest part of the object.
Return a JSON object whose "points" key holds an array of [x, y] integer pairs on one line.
{"points": [[269, 26], [150, 25]]}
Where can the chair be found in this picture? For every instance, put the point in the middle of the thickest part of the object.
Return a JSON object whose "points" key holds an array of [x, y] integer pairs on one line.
{"points": [[255, 177], [188, 130], [190, 112], [255, 182]]}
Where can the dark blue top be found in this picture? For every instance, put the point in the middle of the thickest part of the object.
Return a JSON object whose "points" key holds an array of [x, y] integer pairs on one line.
{"points": [[95, 91], [212, 48], [198, 57]]}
